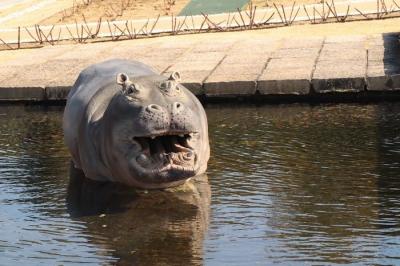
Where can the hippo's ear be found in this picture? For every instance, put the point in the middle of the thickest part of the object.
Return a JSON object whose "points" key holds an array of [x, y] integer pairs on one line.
{"points": [[122, 79], [175, 76]]}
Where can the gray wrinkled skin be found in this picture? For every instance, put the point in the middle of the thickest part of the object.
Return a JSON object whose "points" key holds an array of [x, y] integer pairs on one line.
{"points": [[125, 123]]}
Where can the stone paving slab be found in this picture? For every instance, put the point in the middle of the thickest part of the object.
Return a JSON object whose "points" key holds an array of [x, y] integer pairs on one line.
{"points": [[148, 54], [343, 39], [195, 67], [346, 76], [193, 80], [314, 42], [207, 46], [296, 81], [224, 68], [296, 53], [389, 40], [237, 73], [232, 80], [351, 54], [284, 64], [33, 76], [6, 72], [250, 45], [379, 53], [290, 69], [341, 65], [38, 55]]}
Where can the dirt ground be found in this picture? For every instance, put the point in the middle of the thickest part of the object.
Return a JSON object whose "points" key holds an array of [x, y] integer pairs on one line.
{"points": [[21, 14], [67, 11], [92, 10]]}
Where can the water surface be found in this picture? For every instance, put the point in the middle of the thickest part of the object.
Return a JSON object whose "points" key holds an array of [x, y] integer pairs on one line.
{"points": [[290, 184]]}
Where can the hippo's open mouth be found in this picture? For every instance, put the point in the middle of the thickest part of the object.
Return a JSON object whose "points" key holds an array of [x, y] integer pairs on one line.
{"points": [[169, 155]]}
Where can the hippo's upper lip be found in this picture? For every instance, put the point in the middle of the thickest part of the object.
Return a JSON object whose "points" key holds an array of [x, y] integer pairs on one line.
{"points": [[168, 152]]}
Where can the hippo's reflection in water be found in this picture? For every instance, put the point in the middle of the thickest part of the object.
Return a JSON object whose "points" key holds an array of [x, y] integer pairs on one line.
{"points": [[144, 227]]}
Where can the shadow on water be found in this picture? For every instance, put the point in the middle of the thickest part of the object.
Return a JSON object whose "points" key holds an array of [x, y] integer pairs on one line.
{"points": [[389, 174], [144, 227]]}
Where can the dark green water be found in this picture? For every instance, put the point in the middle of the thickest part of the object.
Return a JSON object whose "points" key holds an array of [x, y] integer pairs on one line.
{"points": [[290, 184]]}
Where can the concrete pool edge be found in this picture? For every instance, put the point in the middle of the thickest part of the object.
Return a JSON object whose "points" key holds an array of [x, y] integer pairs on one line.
{"points": [[312, 98], [254, 69], [55, 94]]}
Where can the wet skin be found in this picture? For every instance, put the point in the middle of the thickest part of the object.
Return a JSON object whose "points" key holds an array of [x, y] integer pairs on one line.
{"points": [[125, 123]]}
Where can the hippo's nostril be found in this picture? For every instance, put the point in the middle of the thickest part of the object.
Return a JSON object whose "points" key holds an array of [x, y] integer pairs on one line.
{"points": [[178, 106], [154, 108]]}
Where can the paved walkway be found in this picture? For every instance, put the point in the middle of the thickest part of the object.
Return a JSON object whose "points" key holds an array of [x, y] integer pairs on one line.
{"points": [[225, 66]]}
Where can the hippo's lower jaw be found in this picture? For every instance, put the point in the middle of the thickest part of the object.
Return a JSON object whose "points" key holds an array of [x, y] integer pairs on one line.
{"points": [[165, 157]]}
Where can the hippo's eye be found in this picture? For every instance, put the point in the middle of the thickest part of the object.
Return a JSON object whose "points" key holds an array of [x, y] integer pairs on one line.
{"points": [[131, 89], [165, 86], [132, 92]]}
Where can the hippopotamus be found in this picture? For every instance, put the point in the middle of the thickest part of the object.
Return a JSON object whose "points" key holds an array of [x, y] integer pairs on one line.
{"points": [[123, 122]]}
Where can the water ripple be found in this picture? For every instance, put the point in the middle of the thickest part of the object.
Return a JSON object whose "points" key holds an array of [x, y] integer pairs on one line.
{"points": [[290, 185], [317, 184]]}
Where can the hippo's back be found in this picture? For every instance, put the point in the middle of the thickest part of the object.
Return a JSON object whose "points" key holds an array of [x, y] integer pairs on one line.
{"points": [[94, 82]]}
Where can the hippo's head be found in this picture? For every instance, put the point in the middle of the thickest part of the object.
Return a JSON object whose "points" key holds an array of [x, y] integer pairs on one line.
{"points": [[156, 132]]}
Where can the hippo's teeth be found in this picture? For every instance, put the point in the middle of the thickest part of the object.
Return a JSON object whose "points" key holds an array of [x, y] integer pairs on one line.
{"points": [[161, 151], [142, 159], [169, 158], [181, 148]]}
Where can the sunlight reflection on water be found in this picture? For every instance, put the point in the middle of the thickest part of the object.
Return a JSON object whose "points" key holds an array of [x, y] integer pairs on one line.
{"points": [[293, 183]]}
